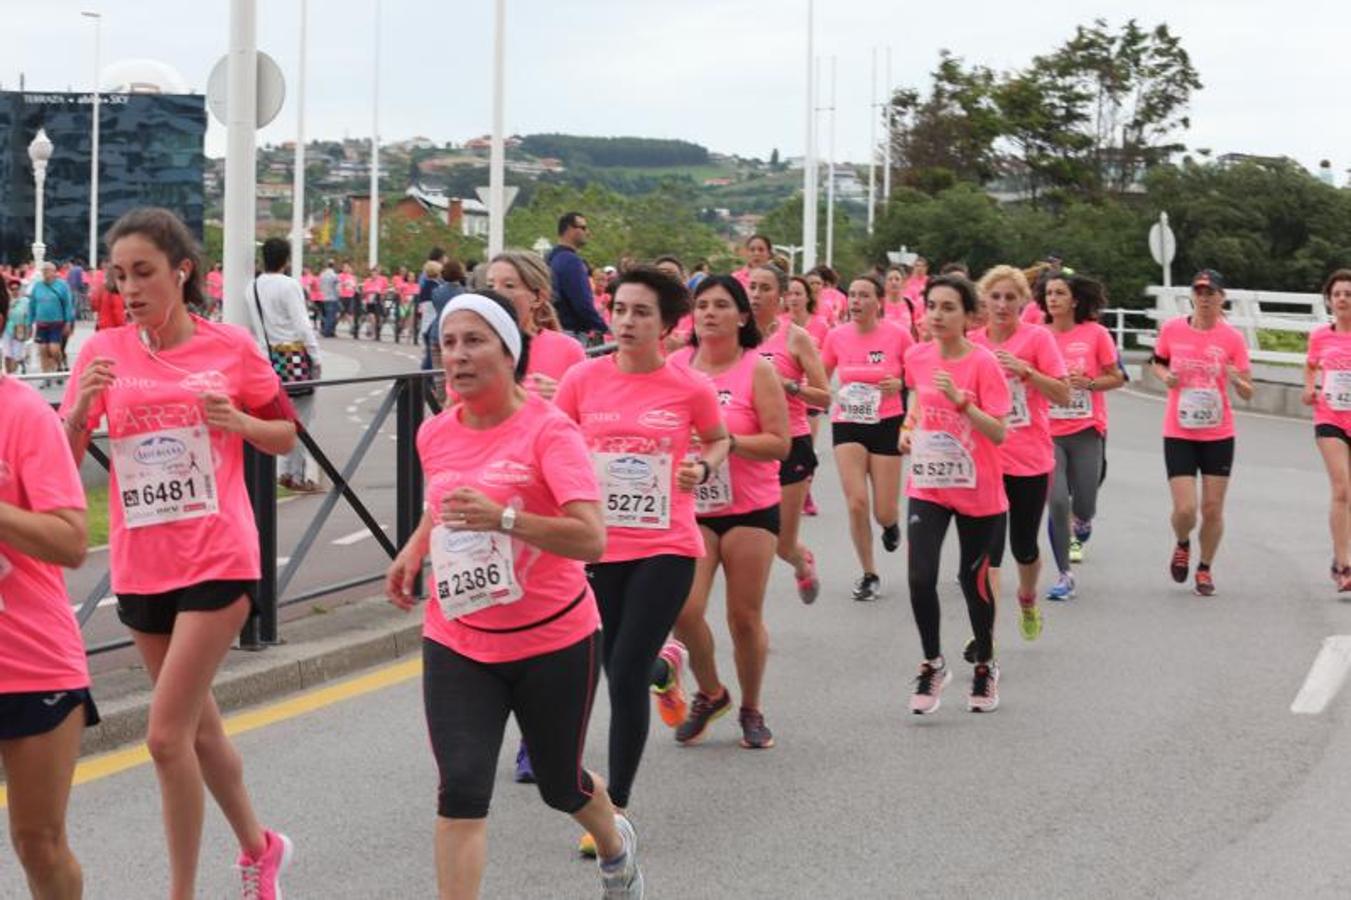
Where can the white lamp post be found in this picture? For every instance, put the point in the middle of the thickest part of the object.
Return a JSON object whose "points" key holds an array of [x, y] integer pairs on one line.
{"points": [[39, 151], [94, 142], [497, 198]]}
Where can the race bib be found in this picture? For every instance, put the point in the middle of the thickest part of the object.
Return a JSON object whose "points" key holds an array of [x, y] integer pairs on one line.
{"points": [[637, 488], [938, 460], [166, 476], [472, 570], [1200, 408], [714, 494], [1019, 417], [1079, 407], [1337, 389], [860, 403]]}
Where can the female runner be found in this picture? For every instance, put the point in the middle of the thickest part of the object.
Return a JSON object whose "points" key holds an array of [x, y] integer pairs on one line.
{"points": [[869, 354], [1079, 425], [637, 415], [1035, 373], [737, 510], [1327, 388], [511, 512], [180, 396], [806, 386], [44, 680], [952, 433], [1198, 357]]}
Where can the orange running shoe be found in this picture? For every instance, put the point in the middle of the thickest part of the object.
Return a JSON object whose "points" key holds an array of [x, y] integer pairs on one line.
{"points": [[671, 702]]}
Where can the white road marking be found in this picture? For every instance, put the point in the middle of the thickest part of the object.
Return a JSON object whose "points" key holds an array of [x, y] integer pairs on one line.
{"points": [[1326, 676], [348, 540], [375, 393], [351, 409]]}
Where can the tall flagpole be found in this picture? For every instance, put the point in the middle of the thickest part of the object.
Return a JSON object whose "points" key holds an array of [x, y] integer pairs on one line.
{"points": [[809, 157], [374, 236], [872, 149], [497, 195], [830, 176], [886, 138], [298, 181]]}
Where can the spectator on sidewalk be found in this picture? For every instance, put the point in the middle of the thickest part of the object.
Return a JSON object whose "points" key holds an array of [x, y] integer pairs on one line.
{"points": [[282, 323], [53, 311], [573, 298], [110, 310], [328, 293]]}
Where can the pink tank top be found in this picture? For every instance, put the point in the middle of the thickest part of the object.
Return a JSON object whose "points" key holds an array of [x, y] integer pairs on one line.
{"points": [[775, 349], [754, 483]]}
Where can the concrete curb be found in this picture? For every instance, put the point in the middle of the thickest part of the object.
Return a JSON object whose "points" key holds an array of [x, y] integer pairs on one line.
{"points": [[248, 678]]}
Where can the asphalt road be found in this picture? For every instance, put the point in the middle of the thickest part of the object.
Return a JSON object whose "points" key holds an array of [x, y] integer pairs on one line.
{"points": [[1144, 747]]}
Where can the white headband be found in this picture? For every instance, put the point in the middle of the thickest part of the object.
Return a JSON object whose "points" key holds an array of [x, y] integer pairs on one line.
{"points": [[492, 313]]}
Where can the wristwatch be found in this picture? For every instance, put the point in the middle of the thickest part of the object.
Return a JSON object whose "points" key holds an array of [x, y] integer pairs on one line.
{"points": [[794, 388], [508, 521]]}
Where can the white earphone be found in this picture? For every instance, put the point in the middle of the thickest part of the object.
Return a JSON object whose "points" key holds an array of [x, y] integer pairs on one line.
{"points": [[182, 277]]}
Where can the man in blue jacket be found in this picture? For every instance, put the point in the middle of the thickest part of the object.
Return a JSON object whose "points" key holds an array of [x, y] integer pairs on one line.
{"points": [[573, 299], [52, 311]]}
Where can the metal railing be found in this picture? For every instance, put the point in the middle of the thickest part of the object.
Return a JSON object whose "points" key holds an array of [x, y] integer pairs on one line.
{"points": [[1251, 312]]}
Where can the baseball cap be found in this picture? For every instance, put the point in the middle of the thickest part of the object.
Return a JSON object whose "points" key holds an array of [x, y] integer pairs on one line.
{"points": [[1208, 278]]}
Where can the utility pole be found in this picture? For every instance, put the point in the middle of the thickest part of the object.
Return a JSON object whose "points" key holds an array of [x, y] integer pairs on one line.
{"points": [[809, 173]]}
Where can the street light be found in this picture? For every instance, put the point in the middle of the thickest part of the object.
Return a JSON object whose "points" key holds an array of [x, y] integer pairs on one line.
{"points": [[792, 250], [94, 142], [374, 237], [39, 151]]}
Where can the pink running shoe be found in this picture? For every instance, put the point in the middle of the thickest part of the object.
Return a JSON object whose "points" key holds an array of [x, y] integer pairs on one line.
{"points": [[929, 688], [262, 876], [671, 702], [808, 586], [984, 696], [809, 505]]}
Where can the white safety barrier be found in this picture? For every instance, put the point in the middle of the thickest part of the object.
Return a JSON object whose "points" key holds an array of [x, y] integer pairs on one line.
{"points": [[1249, 312]]}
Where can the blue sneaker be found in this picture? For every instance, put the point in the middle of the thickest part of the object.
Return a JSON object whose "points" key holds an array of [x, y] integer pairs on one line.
{"points": [[525, 774], [1063, 589], [1083, 530]]}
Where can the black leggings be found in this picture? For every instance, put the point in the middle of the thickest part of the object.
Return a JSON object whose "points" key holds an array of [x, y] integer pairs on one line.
{"points": [[928, 527], [467, 704], [639, 601], [1027, 500]]}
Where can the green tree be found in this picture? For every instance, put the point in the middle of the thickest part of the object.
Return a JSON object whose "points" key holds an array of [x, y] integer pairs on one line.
{"points": [[783, 225]]}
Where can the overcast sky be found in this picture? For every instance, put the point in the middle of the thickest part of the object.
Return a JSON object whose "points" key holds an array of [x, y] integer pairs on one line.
{"points": [[729, 74]]}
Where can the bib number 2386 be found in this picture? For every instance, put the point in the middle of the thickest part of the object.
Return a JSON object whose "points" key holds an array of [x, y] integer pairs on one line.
{"points": [[637, 488], [472, 571], [165, 476]]}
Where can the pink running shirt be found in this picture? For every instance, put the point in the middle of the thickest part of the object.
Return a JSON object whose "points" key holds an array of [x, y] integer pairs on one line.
{"points": [[980, 377], [215, 284], [627, 418], [900, 314], [817, 328], [1201, 360], [40, 644], [537, 462], [347, 285], [1330, 355], [754, 483], [375, 284], [832, 303], [867, 359], [1033, 314], [775, 349], [1027, 447], [552, 353], [160, 394], [1088, 349]]}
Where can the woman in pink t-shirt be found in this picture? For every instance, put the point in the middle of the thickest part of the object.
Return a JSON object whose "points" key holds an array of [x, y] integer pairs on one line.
{"points": [[952, 432], [897, 306], [373, 303], [511, 513], [180, 396], [868, 354], [759, 250], [45, 702], [806, 387], [737, 510], [347, 296], [1327, 388], [1079, 425], [637, 414], [1198, 357], [524, 279], [215, 290], [1036, 377]]}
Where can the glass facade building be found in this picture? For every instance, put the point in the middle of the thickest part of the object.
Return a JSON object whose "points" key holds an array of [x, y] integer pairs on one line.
{"points": [[151, 153]]}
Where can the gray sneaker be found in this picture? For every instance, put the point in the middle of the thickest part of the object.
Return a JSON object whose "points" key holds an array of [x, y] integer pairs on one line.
{"points": [[625, 882]]}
